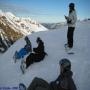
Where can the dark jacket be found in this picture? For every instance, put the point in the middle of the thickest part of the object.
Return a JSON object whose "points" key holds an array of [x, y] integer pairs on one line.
{"points": [[38, 84], [40, 48], [39, 51], [37, 56], [64, 82], [28, 47]]}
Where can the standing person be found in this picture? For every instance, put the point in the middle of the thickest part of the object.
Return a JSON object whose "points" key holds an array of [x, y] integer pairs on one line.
{"points": [[71, 21], [63, 82]]}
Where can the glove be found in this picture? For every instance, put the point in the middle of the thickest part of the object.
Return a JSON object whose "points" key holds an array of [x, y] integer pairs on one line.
{"points": [[66, 17], [68, 21]]}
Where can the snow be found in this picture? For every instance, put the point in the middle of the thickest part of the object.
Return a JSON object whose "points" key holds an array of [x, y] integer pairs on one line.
{"points": [[48, 69], [9, 14]]}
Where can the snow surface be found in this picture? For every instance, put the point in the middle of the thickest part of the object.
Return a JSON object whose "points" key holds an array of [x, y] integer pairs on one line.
{"points": [[48, 69]]}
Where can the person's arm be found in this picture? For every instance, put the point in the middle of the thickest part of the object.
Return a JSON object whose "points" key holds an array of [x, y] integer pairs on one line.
{"points": [[56, 81], [72, 85], [72, 18], [68, 19]]}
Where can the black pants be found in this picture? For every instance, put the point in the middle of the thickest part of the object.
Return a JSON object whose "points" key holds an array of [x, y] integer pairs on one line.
{"points": [[70, 34], [33, 57]]}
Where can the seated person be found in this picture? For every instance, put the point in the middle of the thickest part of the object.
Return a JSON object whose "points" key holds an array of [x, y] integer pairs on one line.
{"points": [[63, 82], [24, 51], [28, 44], [37, 56]]}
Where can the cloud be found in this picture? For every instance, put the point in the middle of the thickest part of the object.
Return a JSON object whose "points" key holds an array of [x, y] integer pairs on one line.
{"points": [[13, 8], [22, 10], [19, 9]]}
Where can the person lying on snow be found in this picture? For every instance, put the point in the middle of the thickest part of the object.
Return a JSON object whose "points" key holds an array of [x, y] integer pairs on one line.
{"points": [[63, 82], [24, 51], [37, 56]]}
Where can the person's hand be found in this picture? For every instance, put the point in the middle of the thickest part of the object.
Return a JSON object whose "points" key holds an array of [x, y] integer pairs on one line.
{"points": [[65, 17]]}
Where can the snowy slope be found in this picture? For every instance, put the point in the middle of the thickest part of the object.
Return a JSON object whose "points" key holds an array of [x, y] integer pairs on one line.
{"points": [[48, 69], [24, 25]]}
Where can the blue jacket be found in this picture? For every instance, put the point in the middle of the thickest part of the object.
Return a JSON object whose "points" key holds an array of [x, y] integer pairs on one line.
{"points": [[21, 53]]}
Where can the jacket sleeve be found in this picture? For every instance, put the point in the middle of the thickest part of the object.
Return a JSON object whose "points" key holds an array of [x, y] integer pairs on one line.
{"points": [[72, 17], [57, 81], [72, 85]]}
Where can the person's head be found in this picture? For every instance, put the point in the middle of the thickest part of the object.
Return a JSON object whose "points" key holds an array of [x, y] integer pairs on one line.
{"points": [[22, 86], [65, 65], [26, 38], [72, 6], [38, 39]]}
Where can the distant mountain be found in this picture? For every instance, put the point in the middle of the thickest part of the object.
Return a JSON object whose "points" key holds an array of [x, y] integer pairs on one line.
{"points": [[54, 25], [13, 28]]}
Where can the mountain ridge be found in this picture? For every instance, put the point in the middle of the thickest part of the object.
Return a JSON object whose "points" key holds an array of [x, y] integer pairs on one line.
{"points": [[15, 27]]}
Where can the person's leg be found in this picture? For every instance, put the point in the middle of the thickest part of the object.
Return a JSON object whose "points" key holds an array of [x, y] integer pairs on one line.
{"points": [[15, 57], [30, 60], [70, 36], [23, 66], [39, 84]]}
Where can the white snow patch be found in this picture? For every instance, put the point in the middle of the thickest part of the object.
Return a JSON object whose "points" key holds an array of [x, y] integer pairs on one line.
{"points": [[48, 69]]}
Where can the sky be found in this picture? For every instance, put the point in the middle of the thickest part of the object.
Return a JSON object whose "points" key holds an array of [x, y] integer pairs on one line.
{"points": [[49, 11]]}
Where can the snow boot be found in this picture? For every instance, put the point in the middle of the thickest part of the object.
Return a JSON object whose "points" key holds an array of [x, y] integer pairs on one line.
{"points": [[15, 57], [23, 66]]}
